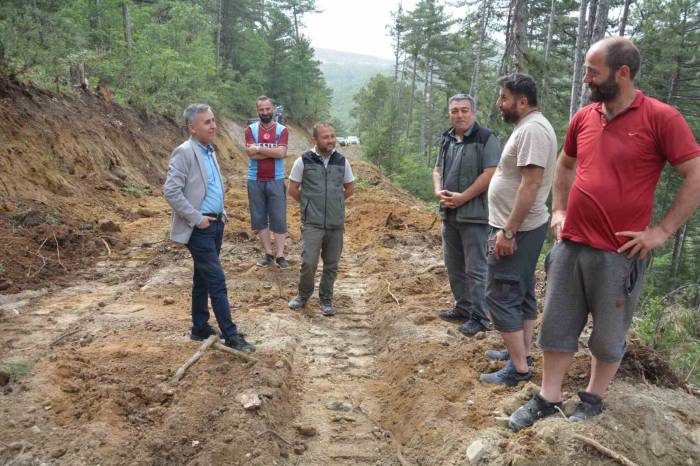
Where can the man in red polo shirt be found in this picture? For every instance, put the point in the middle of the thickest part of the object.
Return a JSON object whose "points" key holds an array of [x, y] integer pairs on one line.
{"points": [[614, 152]]}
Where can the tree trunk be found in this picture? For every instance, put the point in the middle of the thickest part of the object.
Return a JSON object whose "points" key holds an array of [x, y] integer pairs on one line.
{"points": [[413, 95], [592, 11], [296, 24], [625, 15], [676, 76], [218, 37], [678, 242], [520, 36], [429, 112], [547, 48], [474, 87], [578, 58], [127, 24], [426, 102], [597, 32], [506, 60]]}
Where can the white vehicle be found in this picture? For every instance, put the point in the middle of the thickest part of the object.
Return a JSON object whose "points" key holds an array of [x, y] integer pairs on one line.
{"points": [[352, 140]]}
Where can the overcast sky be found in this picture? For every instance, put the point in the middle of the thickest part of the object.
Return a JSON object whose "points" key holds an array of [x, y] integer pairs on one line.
{"points": [[357, 26]]}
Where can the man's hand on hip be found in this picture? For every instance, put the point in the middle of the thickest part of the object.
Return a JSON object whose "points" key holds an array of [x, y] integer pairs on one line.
{"points": [[642, 242]]}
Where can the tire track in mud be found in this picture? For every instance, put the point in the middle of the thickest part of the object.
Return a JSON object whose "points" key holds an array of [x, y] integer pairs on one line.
{"points": [[339, 359]]}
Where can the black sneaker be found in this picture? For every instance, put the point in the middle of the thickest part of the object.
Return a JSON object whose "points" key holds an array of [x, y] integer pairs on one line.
{"points": [[266, 260], [507, 376], [282, 263], [590, 405], [237, 342], [495, 355], [453, 315], [202, 333], [532, 411], [472, 327], [296, 303], [327, 308]]}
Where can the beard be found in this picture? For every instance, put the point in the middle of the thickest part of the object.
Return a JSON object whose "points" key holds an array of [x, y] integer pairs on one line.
{"points": [[510, 115], [265, 119], [606, 91]]}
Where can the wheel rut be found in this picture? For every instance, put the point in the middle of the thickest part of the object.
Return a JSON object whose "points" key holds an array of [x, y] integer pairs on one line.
{"points": [[339, 360]]}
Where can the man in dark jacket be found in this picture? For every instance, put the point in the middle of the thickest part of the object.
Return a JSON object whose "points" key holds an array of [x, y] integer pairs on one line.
{"points": [[468, 158], [320, 180]]}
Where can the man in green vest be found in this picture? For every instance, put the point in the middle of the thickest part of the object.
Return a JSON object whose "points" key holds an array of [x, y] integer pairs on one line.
{"points": [[468, 157], [320, 180]]}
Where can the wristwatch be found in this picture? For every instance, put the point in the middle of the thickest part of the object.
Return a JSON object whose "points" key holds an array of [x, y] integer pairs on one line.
{"points": [[508, 234]]}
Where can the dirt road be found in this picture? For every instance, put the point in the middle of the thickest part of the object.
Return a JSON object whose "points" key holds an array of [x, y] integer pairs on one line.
{"points": [[95, 322]]}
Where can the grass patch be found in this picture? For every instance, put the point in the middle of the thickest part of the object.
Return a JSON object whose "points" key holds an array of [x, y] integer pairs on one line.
{"points": [[137, 191], [16, 368]]}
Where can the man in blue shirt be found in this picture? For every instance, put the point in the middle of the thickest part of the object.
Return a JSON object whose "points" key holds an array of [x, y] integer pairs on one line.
{"points": [[195, 191]]}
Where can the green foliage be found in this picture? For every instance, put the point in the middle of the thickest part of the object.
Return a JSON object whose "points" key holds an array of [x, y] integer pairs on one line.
{"points": [[670, 324], [174, 57], [415, 176]]}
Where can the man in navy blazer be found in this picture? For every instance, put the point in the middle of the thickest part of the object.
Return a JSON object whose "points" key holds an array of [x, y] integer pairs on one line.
{"points": [[194, 189]]}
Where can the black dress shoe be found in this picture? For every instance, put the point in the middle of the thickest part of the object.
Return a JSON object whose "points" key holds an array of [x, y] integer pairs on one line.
{"points": [[237, 342], [202, 333]]}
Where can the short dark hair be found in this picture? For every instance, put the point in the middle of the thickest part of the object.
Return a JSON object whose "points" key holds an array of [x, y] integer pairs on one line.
{"points": [[623, 52], [322, 124], [520, 84]]}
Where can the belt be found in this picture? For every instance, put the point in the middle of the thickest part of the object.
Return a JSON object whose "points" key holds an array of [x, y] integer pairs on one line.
{"points": [[216, 217]]}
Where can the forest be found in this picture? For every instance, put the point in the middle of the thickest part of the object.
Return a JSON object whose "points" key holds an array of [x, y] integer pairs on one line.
{"points": [[158, 55], [401, 118]]}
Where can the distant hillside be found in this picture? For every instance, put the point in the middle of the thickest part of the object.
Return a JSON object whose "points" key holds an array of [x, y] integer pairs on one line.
{"points": [[346, 73]]}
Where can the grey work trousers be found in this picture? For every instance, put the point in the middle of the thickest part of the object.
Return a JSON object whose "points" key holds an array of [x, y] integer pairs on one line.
{"points": [[327, 244], [464, 248]]}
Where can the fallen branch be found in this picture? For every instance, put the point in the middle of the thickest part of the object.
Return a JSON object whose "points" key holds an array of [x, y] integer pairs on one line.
{"points": [[239, 354], [270, 431], [388, 219], [109, 251], [430, 268], [58, 253], [431, 225], [399, 455], [692, 389], [562, 414], [200, 352], [388, 288], [67, 334], [606, 451]]}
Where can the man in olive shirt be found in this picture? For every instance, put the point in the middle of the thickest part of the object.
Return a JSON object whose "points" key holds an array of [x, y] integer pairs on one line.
{"points": [[467, 160]]}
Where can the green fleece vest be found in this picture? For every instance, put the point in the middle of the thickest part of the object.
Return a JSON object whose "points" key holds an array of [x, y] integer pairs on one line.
{"points": [[471, 166], [322, 194]]}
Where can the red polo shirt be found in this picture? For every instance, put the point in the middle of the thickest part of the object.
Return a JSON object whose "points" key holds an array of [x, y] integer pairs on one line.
{"points": [[619, 164]]}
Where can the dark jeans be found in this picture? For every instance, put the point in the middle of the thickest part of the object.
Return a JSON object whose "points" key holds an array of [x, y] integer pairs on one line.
{"points": [[209, 280]]}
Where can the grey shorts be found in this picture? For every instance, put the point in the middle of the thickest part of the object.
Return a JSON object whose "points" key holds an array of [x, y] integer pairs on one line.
{"points": [[510, 288], [267, 201], [583, 280]]}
